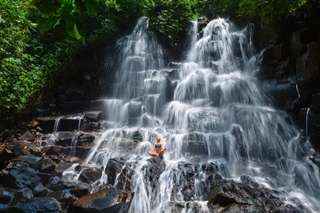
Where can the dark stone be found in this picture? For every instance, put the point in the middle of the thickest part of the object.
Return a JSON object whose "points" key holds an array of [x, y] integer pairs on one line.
{"points": [[46, 165], [90, 175], [26, 193], [90, 126], [230, 196], [195, 144], [283, 93], [27, 136], [19, 174], [308, 64], [80, 189], [137, 136], [41, 190], [113, 168], [85, 138], [107, 200], [31, 160], [68, 124], [39, 204], [63, 195], [6, 154], [93, 115], [46, 123], [6, 197], [65, 138]]}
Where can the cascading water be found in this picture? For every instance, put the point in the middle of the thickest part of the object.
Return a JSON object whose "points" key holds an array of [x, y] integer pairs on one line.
{"points": [[212, 115]]}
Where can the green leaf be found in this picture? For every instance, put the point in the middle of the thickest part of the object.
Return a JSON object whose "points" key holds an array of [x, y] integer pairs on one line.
{"points": [[75, 33]]}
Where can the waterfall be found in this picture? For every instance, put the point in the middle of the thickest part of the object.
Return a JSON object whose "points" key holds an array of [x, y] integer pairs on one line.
{"points": [[212, 115]]}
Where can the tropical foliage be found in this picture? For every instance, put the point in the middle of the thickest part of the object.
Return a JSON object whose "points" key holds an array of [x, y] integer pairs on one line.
{"points": [[38, 37]]}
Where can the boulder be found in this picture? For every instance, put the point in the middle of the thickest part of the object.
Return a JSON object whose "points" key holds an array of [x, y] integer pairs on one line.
{"points": [[46, 123], [19, 174], [94, 116], [6, 154], [6, 197], [107, 200], [46, 165], [113, 168], [65, 138], [69, 124], [85, 138], [90, 175], [308, 64], [27, 136], [247, 196], [37, 205]]}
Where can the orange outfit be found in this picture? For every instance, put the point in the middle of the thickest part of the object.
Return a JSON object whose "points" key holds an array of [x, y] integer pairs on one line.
{"points": [[158, 149]]}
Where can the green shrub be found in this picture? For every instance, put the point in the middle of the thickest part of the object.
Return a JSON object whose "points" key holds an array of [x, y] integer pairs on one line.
{"points": [[169, 18]]}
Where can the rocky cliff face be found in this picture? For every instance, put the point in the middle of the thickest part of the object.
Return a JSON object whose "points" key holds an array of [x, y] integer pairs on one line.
{"points": [[291, 68]]}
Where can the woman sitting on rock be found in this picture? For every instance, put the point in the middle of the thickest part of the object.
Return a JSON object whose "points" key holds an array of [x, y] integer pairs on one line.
{"points": [[158, 149]]}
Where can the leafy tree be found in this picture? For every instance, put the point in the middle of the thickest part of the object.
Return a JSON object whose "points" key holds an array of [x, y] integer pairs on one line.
{"points": [[169, 18]]}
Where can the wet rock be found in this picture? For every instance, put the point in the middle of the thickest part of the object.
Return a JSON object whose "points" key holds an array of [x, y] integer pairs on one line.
{"points": [[27, 136], [108, 199], [6, 154], [196, 144], [153, 170], [46, 123], [46, 165], [63, 196], [119, 173], [93, 116], [19, 174], [31, 160], [90, 126], [74, 138], [80, 189], [68, 124], [137, 136], [77, 151], [62, 166], [308, 64], [283, 93], [53, 150], [26, 193], [314, 121], [275, 63], [6, 197], [247, 196], [85, 138], [37, 205], [90, 175], [41, 190], [65, 138]]}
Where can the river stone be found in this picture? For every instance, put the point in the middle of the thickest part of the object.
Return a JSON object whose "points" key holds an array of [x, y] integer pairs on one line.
{"points": [[93, 115], [90, 175], [46, 123], [27, 136], [231, 196], [20, 173], [38, 205], [65, 138], [46, 165], [107, 200], [6, 197], [68, 124]]}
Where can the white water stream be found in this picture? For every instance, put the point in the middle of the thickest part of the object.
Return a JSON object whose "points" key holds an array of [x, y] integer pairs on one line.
{"points": [[209, 110]]}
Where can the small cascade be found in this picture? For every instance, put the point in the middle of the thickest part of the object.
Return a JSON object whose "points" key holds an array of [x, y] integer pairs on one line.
{"points": [[298, 91], [53, 135], [213, 117], [307, 123]]}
